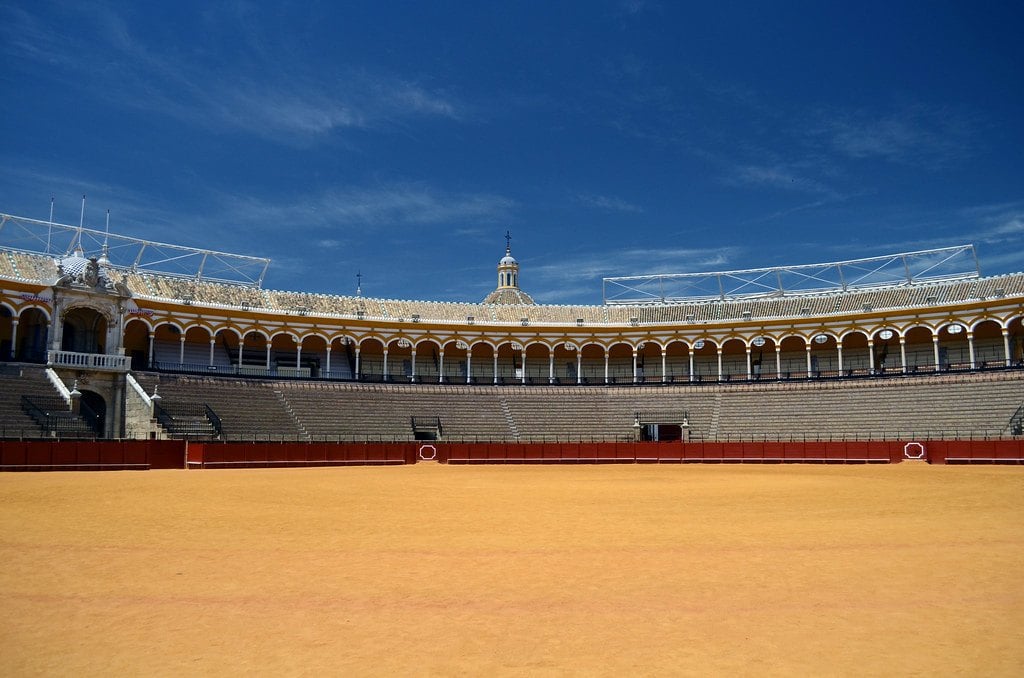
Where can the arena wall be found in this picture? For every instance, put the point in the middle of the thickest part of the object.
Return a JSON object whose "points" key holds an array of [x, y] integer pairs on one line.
{"points": [[178, 454]]}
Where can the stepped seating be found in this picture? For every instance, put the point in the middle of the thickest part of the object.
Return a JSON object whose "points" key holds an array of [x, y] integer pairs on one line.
{"points": [[30, 381], [247, 409]]}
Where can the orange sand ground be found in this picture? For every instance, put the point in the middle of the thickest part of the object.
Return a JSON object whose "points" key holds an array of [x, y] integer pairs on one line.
{"points": [[435, 570]]}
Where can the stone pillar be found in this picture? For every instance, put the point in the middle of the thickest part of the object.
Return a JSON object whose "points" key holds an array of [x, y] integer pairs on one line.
{"points": [[469, 366], [551, 366], [778, 361], [871, 355], [606, 366], [495, 365], [14, 338], [839, 353], [328, 360], [440, 366], [719, 350], [412, 377], [358, 366], [213, 343], [385, 375], [807, 347], [1006, 346], [690, 351], [181, 349], [750, 371], [935, 351], [579, 365], [970, 348], [903, 354], [634, 366], [151, 346], [664, 377]]}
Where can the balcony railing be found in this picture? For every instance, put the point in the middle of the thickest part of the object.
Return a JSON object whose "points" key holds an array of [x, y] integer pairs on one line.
{"points": [[90, 361]]}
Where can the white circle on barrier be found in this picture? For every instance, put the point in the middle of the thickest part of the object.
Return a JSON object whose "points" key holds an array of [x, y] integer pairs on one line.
{"points": [[433, 452], [909, 446]]}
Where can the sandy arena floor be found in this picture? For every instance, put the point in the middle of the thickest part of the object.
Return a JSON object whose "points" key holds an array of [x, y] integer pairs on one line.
{"points": [[557, 570]]}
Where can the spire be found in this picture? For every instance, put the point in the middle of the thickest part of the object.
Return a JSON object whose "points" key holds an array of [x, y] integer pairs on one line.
{"points": [[508, 291]]}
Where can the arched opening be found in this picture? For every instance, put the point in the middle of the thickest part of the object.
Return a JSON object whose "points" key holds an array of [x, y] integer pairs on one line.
{"points": [[93, 409], [1016, 342], [253, 354], [620, 363], [398, 362], [887, 353], [565, 357], [455, 362], [6, 333], [920, 350], [988, 345], [33, 336], [705, 360], [481, 358], [312, 355], [824, 356], [195, 349], [428, 361], [536, 361], [510, 363], [762, 358], [592, 364], [677, 362], [954, 347], [648, 362], [734, 360], [136, 343], [84, 331], [792, 358], [370, 360], [856, 356]]}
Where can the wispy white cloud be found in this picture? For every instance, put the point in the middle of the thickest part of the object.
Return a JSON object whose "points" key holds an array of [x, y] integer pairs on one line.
{"points": [[913, 134], [574, 276], [608, 203], [268, 95], [778, 177], [398, 204]]}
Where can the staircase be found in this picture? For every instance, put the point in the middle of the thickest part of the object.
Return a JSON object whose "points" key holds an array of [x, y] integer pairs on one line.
{"points": [[509, 419]]}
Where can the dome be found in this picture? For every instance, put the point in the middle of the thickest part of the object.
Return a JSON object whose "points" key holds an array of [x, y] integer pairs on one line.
{"points": [[507, 260], [74, 264]]}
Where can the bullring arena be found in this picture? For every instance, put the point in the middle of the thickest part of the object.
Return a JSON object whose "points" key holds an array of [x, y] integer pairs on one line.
{"points": [[815, 470]]}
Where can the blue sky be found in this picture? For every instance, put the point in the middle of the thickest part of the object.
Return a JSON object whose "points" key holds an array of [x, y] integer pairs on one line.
{"points": [[611, 138]]}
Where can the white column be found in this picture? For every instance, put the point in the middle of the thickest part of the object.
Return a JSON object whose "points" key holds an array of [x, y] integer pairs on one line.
{"points": [[440, 366], [935, 347], [469, 366], [634, 366], [385, 375], [241, 344], [413, 375], [579, 365], [495, 365], [664, 377], [523, 366], [839, 352], [328, 360], [871, 356], [970, 347], [808, 349], [14, 338], [298, 358], [358, 366], [551, 366], [690, 351], [606, 366], [267, 365], [903, 354], [151, 356], [750, 371], [212, 343], [778, 361], [181, 349], [1006, 346], [719, 363]]}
